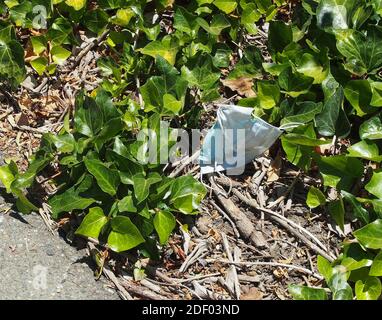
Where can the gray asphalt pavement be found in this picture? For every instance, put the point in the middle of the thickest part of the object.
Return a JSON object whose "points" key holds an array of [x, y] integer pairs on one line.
{"points": [[34, 264]]}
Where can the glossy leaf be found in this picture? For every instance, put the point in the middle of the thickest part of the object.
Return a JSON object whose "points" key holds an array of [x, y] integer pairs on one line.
{"points": [[370, 236], [365, 149], [67, 202], [218, 23], [375, 185], [326, 121], [93, 223], [363, 53], [186, 194], [369, 289], [227, 6], [39, 65], [107, 179], [280, 35], [358, 93], [124, 236], [164, 223], [306, 293], [315, 198], [376, 267], [76, 4], [371, 129], [337, 212], [166, 48], [358, 211], [325, 268], [185, 21], [294, 83], [142, 185], [127, 205], [60, 54]]}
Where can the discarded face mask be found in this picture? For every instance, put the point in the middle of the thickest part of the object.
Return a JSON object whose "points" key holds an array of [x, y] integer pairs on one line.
{"points": [[235, 140]]}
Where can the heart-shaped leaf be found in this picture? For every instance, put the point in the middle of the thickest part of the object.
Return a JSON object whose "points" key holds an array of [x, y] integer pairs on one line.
{"points": [[370, 235], [369, 289], [93, 223], [164, 223]]}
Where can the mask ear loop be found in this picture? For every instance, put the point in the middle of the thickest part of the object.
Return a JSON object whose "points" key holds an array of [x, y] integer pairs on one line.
{"points": [[209, 187], [290, 125]]}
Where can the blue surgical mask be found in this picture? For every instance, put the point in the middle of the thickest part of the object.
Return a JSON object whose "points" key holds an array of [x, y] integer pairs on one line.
{"points": [[235, 140]]}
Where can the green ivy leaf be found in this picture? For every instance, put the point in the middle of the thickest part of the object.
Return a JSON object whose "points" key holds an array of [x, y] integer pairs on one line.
{"points": [[123, 16], [352, 264], [167, 49], [370, 236], [363, 52], [107, 179], [280, 36], [124, 236], [377, 5], [39, 65], [171, 104], [297, 154], [375, 185], [326, 121], [302, 113], [59, 32], [294, 83], [88, 117], [64, 143], [96, 20], [164, 223], [227, 6], [365, 149], [39, 44], [67, 202], [76, 4], [23, 204], [268, 94], [310, 66], [358, 211], [142, 185], [325, 268], [376, 267], [204, 75], [25, 180], [368, 289], [217, 25], [338, 284], [186, 194], [371, 129], [59, 54], [337, 212], [12, 65], [7, 175], [339, 170], [376, 88], [358, 93], [306, 293], [186, 22], [155, 89], [315, 198], [304, 140], [93, 223], [126, 204]]}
